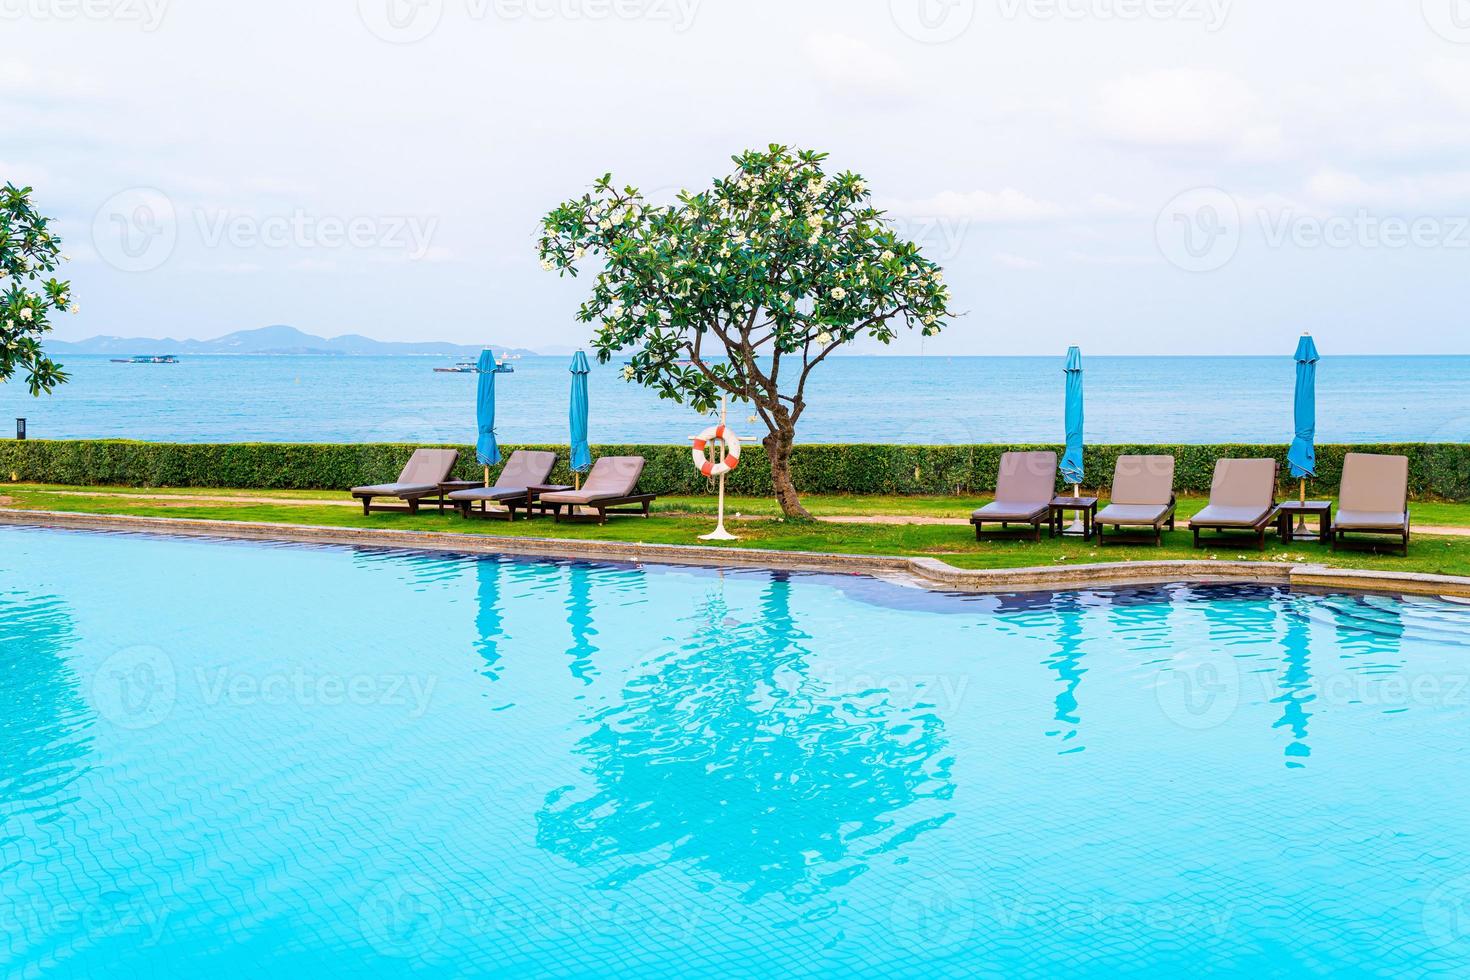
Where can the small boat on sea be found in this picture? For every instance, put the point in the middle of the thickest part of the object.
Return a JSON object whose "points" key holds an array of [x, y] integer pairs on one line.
{"points": [[147, 359], [470, 367]]}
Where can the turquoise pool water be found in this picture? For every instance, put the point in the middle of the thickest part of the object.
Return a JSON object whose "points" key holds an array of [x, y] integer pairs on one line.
{"points": [[236, 759]]}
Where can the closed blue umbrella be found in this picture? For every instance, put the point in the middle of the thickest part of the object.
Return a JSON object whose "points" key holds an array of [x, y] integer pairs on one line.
{"points": [[1072, 459], [577, 415], [1303, 452], [487, 452]]}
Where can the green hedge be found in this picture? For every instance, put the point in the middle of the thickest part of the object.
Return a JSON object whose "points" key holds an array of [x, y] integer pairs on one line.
{"points": [[1436, 470]]}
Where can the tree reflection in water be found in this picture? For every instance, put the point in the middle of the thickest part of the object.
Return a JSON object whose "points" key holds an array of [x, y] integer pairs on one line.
{"points": [[43, 737], [729, 756]]}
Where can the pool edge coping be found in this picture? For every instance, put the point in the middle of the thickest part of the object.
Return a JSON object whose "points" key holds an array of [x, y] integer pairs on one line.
{"points": [[922, 571]]}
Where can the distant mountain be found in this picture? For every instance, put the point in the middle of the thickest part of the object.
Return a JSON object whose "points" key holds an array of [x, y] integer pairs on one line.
{"points": [[278, 339]]}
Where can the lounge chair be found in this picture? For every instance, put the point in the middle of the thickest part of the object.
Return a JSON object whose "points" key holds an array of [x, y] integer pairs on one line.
{"points": [[1242, 498], [608, 490], [526, 468], [1024, 488], [421, 476], [1143, 496], [1374, 498]]}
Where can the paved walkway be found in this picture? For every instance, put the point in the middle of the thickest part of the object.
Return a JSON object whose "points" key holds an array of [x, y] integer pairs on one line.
{"points": [[200, 499]]}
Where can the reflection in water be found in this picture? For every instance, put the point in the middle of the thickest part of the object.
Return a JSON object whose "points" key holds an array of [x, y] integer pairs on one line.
{"points": [[1067, 662], [1369, 628], [42, 739], [729, 756], [1295, 683], [488, 619], [1245, 627], [579, 618]]}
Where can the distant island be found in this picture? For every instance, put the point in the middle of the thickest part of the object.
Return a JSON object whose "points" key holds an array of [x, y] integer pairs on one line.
{"points": [[278, 339]]}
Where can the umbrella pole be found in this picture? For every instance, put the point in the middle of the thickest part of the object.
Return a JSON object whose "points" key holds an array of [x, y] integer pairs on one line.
{"points": [[487, 476], [1076, 525], [1301, 517]]}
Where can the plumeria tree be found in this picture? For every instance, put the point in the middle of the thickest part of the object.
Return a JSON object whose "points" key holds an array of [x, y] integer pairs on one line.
{"points": [[743, 289], [29, 254]]}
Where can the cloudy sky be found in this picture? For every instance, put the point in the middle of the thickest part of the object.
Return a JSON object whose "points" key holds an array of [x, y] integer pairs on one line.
{"points": [[1135, 176]]}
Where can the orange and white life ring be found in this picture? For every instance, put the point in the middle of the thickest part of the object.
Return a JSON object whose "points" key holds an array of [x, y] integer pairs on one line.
{"points": [[732, 451]]}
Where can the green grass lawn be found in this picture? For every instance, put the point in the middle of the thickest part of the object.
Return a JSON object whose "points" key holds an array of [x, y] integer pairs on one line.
{"points": [[681, 520], [1425, 512]]}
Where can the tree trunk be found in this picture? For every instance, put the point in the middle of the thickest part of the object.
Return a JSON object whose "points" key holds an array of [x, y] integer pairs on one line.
{"points": [[778, 449]]}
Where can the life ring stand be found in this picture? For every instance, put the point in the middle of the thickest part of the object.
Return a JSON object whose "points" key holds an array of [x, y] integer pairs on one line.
{"points": [[731, 442]]}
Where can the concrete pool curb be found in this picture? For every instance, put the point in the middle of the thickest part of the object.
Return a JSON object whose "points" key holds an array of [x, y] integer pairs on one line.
{"points": [[926, 572]]}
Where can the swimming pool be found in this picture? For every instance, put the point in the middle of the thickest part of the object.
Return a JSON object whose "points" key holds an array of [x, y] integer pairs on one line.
{"points": [[242, 759]]}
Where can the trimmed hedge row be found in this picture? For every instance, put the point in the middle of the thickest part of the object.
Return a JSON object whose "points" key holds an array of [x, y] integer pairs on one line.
{"points": [[1436, 470]]}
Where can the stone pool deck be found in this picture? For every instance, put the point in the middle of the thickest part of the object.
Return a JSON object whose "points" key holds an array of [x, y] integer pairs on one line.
{"points": [[924, 572]]}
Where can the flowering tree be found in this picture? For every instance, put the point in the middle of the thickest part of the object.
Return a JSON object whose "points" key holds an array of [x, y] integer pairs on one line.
{"points": [[28, 252], [746, 287]]}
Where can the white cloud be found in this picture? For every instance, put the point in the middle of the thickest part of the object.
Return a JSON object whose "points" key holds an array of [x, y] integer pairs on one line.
{"points": [[1086, 258], [1188, 108], [1450, 78], [1106, 205], [850, 65], [1005, 206], [1010, 261], [1421, 191]]}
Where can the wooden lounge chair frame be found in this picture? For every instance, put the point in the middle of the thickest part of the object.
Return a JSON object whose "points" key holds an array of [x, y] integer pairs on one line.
{"points": [[621, 472], [1017, 472], [422, 492], [1258, 528], [1379, 468], [1136, 470], [637, 503], [526, 468], [1164, 522]]}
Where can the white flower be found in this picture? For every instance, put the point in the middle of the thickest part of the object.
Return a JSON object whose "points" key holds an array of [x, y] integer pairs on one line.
{"points": [[25, 312], [887, 256], [814, 239], [66, 258], [859, 187], [579, 253], [738, 238], [547, 265], [839, 293], [785, 297], [823, 339], [627, 372], [929, 320], [75, 309], [605, 225]]}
